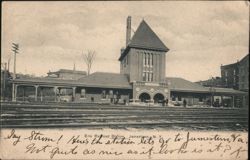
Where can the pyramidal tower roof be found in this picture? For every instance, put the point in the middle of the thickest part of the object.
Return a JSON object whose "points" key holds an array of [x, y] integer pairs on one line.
{"points": [[145, 37]]}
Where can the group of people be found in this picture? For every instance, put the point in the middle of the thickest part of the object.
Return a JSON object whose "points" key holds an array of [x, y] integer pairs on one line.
{"points": [[115, 98], [165, 102]]}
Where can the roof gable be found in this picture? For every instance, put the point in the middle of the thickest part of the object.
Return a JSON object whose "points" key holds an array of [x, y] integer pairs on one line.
{"points": [[145, 37], [180, 84], [110, 80]]}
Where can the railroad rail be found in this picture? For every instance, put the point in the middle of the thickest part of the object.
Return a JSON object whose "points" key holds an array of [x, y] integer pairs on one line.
{"points": [[27, 115]]}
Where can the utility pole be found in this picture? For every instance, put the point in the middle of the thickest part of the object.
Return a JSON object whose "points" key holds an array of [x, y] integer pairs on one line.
{"points": [[15, 48], [9, 64], [4, 80], [211, 89], [3, 85]]}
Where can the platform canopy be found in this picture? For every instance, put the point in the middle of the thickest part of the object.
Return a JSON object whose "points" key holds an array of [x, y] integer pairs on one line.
{"points": [[183, 85]]}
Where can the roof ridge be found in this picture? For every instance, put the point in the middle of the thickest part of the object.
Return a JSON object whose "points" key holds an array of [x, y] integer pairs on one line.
{"points": [[106, 72]]}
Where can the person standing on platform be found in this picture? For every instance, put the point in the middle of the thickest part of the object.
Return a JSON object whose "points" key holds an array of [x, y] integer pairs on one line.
{"points": [[118, 98], [114, 98], [184, 103], [166, 102], [163, 102]]}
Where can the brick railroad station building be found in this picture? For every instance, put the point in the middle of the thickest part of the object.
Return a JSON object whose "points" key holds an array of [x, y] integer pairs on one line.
{"points": [[141, 79]]}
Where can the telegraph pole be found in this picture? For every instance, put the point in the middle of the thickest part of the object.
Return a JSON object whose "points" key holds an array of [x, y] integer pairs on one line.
{"points": [[4, 80], [3, 85], [15, 48], [9, 64]]}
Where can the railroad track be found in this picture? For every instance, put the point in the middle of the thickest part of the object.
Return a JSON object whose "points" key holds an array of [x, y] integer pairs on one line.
{"points": [[19, 115]]}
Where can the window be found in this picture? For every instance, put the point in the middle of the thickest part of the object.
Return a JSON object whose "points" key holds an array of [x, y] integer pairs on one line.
{"points": [[83, 93], [150, 76], [226, 73], [144, 76], [200, 99], [179, 98], [147, 67], [152, 60], [147, 76], [145, 59], [111, 93], [173, 98], [149, 58]]}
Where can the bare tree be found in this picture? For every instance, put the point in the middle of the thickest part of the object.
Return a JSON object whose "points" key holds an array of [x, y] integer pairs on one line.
{"points": [[88, 59]]}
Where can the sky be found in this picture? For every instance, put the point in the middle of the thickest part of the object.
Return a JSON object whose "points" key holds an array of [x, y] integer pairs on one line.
{"points": [[54, 35]]}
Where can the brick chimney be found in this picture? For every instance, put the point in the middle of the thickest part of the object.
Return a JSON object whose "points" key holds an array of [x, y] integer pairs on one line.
{"points": [[128, 31]]}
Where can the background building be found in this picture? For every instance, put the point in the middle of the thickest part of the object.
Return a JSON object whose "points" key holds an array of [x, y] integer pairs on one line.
{"points": [[230, 75], [234, 76], [67, 74], [5, 85], [212, 82], [244, 74]]}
